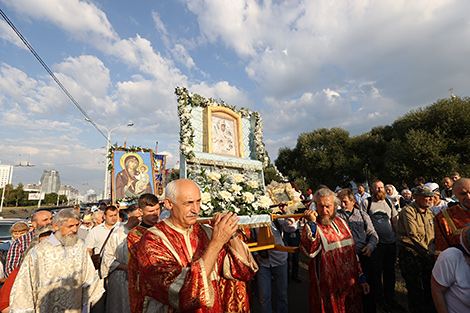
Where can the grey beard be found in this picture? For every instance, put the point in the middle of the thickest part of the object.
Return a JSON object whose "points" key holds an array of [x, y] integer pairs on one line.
{"points": [[327, 220], [40, 228], [69, 240]]}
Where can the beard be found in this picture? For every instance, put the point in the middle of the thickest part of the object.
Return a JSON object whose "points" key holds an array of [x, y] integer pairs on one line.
{"points": [[69, 240], [39, 229], [327, 220], [381, 195]]}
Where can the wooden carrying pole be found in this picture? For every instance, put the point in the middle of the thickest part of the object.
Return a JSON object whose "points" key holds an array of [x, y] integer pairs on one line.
{"points": [[266, 237]]}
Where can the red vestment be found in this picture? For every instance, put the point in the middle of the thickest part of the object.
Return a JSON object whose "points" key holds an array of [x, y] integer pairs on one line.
{"points": [[135, 297], [237, 294], [448, 226], [172, 271], [333, 267]]}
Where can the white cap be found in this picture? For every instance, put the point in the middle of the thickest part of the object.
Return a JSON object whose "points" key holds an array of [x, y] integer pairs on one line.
{"points": [[432, 186]]}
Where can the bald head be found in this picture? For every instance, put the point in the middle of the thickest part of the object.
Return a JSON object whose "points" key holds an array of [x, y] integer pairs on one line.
{"points": [[462, 191], [41, 219], [183, 199], [172, 190]]}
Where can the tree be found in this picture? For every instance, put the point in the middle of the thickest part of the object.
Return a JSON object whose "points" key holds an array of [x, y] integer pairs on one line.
{"points": [[19, 194], [50, 198], [431, 142], [320, 157], [271, 174], [9, 195], [62, 199]]}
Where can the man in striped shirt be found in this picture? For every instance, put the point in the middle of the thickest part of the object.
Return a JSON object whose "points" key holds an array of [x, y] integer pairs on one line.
{"points": [[40, 220]]}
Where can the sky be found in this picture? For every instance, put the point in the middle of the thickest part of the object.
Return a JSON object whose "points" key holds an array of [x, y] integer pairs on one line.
{"points": [[303, 65]]}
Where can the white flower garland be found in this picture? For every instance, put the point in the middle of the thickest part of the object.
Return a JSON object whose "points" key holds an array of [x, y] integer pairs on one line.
{"points": [[226, 191], [187, 100]]}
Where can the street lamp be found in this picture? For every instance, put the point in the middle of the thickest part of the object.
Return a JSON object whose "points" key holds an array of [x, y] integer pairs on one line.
{"points": [[108, 145]]}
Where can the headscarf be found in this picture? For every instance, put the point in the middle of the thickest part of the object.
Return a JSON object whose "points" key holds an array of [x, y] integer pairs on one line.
{"points": [[394, 195]]}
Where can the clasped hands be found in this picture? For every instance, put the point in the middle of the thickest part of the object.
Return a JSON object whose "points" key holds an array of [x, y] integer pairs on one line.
{"points": [[224, 225]]}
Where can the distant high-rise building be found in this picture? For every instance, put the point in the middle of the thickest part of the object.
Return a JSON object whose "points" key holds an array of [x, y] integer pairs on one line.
{"points": [[50, 181], [6, 174], [70, 192]]}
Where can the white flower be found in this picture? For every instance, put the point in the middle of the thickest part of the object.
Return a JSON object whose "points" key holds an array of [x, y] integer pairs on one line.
{"points": [[225, 195], [252, 184], [264, 202], [213, 176], [238, 178], [235, 188], [248, 197], [205, 197]]}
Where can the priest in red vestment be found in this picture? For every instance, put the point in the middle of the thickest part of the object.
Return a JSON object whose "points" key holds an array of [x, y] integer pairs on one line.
{"points": [[182, 261], [450, 222], [150, 210], [336, 276]]}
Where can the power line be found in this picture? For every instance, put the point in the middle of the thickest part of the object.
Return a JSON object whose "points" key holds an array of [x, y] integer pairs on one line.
{"points": [[50, 72]]}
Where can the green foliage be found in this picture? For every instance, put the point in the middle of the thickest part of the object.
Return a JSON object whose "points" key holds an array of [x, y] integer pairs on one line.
{"points": [[174, 175], [50, 198], [430, 142], [16, 196]]}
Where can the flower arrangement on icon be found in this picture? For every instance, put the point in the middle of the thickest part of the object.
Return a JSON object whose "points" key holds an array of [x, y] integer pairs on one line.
{"points": [[225, 191], [187, 100]]}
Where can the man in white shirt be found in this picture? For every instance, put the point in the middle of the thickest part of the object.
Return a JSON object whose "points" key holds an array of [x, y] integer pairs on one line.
{"points": [[97, 235], [94, 242], [450, 282]]}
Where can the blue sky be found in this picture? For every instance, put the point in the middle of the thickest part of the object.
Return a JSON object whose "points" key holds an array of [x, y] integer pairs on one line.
{"points": [[302, 64]]}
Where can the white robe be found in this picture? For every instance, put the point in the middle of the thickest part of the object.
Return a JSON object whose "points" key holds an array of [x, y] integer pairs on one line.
{"points": [[115, 253], [55, 278]]}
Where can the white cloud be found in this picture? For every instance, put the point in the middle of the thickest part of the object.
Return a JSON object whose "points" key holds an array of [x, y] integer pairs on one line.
{"points": [[222, 90], [35, 96], [8, 34], [83, 20], [273, 145], [330, 43], [181, 55], [159, 23], [87, 71]]}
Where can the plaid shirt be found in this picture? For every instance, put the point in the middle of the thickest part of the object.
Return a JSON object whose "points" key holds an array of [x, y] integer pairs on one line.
{"points": [[16, 252]]}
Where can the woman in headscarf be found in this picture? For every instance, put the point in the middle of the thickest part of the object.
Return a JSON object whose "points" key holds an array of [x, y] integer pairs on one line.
{"points": [[395, 197]]}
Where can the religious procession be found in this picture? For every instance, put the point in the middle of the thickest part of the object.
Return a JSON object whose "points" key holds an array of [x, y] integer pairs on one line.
{"points": [[220, 239]]}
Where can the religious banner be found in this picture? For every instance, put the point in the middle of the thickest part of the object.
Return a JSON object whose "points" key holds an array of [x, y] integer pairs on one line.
{"points": [[133, 174], [160, 173]]}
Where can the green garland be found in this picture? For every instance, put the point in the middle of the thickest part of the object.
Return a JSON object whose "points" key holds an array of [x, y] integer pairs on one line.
{"points": [[120, 148]]}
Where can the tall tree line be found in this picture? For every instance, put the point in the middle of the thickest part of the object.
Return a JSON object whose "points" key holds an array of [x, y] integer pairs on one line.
{"points": [[430, 142]]}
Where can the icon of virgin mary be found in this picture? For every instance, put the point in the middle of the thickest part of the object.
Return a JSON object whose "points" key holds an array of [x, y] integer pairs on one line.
{"points": [[129, 182]]}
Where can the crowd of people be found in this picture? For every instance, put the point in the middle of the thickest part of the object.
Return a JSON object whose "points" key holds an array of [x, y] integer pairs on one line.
{"points": [[156, 257]]}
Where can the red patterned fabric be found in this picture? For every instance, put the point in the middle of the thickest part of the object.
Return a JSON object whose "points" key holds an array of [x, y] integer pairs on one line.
{"points": [[333, 267], [135, 296], [449, 225], [236, 295], [173, 273]]}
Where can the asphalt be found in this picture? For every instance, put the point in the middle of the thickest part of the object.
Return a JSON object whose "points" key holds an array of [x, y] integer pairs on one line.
{"points": [[297, 295]]}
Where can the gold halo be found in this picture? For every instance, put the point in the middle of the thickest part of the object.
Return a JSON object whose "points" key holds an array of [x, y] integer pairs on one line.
{"points": [[146, 167], [125, 155]]}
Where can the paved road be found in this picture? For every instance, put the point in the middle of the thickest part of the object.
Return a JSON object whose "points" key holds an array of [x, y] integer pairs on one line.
{"points": [[297, 292]]}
